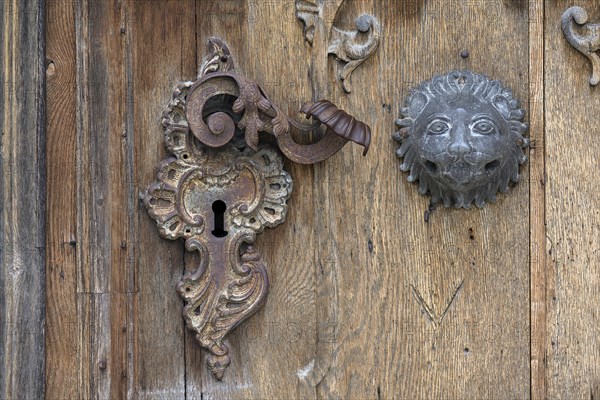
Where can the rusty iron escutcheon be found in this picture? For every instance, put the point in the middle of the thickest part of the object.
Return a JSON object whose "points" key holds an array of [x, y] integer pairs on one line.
{"points": [[222, 185], [461, 137], [584, 36]]}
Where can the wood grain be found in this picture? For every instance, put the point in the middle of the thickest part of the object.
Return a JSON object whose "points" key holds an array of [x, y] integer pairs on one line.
{"points": [[91, 258], [572, 215], [22, 199], [62, 359], [104, 214], [537, 201], [164, 53], [423, 308], [367, 299]]}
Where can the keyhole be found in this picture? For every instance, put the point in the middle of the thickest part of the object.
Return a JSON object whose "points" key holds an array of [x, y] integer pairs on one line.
{"points": [[219, 208]]}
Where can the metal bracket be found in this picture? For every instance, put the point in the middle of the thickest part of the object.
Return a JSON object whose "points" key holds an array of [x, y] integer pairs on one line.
{"points": [[461, 137], [352, 47], [574, 21], [223, 185]]}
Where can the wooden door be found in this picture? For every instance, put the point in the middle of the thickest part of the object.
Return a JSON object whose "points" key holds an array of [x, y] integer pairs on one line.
{"points": [[369, 299]]}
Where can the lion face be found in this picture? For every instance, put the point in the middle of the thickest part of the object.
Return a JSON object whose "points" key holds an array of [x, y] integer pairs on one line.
{"points": [[462, 139]]}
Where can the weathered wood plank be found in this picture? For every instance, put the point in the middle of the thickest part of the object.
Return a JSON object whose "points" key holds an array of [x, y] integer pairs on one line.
{"points": [[572, 214], [391, 266], [113, 347], [537, 201], [62, 369], [22, 199], [164, 53], [103, 186]]}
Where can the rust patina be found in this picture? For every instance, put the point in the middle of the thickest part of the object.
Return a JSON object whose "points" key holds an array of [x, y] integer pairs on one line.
{"points": [[223, 184]]}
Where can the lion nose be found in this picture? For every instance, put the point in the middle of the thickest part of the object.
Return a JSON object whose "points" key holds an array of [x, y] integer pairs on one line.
{"points": [[459, 146]]}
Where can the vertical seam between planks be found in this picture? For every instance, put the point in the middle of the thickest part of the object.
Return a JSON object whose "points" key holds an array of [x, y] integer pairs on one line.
{"points": [[41, 170], [537, 214], [542, 254], [131, 197], [81, 117]]}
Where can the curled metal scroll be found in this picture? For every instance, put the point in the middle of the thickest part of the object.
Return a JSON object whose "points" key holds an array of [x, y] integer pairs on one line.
{"points": [[221, 186], [355, 46], [352, 47], [214, 122], [584, 36]]}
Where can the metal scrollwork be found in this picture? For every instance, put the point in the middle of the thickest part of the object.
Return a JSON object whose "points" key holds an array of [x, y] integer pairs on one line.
{"points": [[222, 186], [584, 36], [461, 137], [309, 13], [352, 47]]}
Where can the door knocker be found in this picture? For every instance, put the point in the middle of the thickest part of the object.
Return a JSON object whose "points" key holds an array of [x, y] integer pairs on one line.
{"points": [[224, 183], [575, 20], [461, 137]]}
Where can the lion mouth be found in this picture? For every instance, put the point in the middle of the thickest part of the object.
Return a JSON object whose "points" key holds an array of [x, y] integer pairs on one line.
{"points": [[431, 167], [492, 166], [459, 172], [462, 172]]}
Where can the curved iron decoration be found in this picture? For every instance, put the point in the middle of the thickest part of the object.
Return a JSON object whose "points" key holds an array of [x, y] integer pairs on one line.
{"points": [[461, 137], [259, 114], [574, 20], [222, 186], [353, 47]]}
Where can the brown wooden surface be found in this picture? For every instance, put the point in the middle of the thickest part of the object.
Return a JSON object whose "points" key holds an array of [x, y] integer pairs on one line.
{"points": [[537, 201], [62, 326], [367, 300], [572, 214], [22, 199]]}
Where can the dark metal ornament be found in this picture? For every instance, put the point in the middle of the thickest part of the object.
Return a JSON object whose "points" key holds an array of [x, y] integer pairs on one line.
{"points": [[223, 185], [461, 137]]}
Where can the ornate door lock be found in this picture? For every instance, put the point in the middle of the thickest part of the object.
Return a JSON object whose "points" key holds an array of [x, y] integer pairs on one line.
{"points": [[461, 137], [224, 184], [574, 20]]}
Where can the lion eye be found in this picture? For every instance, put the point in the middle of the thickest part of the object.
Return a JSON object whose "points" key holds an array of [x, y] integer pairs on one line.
{"points": [[438, 127], [484, 127]]}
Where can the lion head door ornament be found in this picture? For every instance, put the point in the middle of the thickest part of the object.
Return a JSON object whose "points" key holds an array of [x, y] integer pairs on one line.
{"points": [[461, 137], [223, 183]]}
